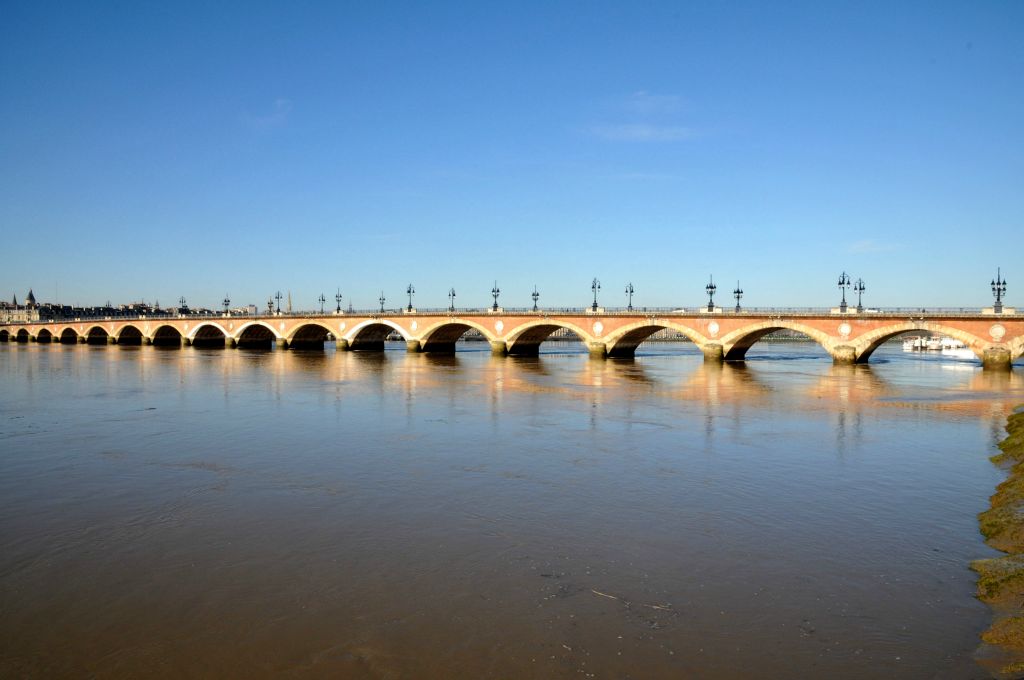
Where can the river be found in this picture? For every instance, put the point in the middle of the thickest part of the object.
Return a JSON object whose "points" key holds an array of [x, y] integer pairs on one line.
{"points": [[235, 513]]}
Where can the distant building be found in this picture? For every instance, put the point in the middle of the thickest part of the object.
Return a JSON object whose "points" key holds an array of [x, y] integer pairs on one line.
{"points": [[12, 312]]}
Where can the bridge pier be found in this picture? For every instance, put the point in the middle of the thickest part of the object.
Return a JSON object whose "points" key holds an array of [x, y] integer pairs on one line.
{"points": [[713, 352], [413, 346], [843, 354], [996, 358], [111, 340], [341, 345], [230, 343], [280, 343], [499, 347], [82, 340], [185, 342], [598, 350], [146, 340]]}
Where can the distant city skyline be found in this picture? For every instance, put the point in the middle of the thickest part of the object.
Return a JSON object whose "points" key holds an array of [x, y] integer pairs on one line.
{"points": [[149, 153]]}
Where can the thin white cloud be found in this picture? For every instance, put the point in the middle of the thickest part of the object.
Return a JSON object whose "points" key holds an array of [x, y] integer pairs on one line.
{"points": [[870, 245], [642, 132], [644, 103], [275, 118]]}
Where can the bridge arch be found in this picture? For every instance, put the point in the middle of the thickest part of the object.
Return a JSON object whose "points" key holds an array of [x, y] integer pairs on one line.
{"points": [[624, 341], [370, 334], [21, 335], [309, 335], [736, 344], [869, 342], [97, 335], [68, 336], [442, 336], [208, 334], [525, 339], [167, 335], [129, 334], [44, 335], [256, 335], [5, 335]]}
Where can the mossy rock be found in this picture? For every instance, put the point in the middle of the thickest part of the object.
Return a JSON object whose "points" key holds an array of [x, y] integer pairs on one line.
{"points": [[1013, 446], [1000, 578], [1008, 632]]}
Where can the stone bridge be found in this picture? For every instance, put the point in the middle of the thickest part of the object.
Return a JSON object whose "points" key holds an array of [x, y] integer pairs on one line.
{"points": [[996, 340]]}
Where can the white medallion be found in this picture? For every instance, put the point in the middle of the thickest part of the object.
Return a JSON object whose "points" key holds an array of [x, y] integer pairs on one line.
{"points": [[231, 326], [598, 327], [341, 326], [281, 325], [713, 328], [997, 332], [498, 326], [844, 330], [415, 325]]}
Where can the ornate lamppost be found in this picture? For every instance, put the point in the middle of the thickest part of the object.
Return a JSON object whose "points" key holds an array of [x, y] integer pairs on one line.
{"points": [[410, 291], [535, 295], [999, 290], [451, 300], [738, 293], [629, 296], [182, 306], [381, 300], [226, 302], [711, 288], [859, 289], [337, 298], [495, 292], [321, 300], [277, 296], [270, 305], [844, 283], [595, 287]]}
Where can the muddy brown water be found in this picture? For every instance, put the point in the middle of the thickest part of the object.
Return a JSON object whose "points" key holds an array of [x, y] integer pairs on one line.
{"points": [[203, 513]]}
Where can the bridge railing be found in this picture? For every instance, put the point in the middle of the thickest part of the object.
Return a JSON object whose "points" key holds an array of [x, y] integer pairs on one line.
{"points": [[909, 312]]}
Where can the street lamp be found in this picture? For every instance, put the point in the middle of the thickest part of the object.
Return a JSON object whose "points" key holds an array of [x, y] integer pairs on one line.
{"points": [[270, 305], [595, 286], [535, 295], [999, 290], [227, 303], [859, 289], [277, 296], [410, 291], [321, 300], [738, 293], [844, 283], [629, 296], [337, 298], [381, 299], [181, 304], [711, 288], [495, 292], [451, 300]]}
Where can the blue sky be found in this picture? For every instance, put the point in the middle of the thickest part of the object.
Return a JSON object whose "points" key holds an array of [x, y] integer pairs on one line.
{"points": [[152, 150]]}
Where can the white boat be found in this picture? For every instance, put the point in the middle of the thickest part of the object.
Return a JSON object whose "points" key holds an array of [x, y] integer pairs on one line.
{"points": [[913, 344], [933, 344]]}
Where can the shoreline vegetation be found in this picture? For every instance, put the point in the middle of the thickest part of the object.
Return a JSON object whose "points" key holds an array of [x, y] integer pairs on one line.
{"points": [[1001, 579]]}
